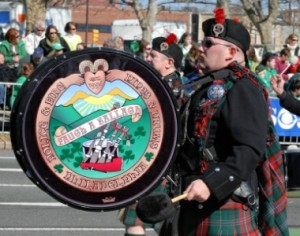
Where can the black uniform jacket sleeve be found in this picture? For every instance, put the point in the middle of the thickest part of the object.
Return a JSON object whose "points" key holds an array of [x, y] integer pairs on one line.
{"points": [[290, 103], [239, 137]]}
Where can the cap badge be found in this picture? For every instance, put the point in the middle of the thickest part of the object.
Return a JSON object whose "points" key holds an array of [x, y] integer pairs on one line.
{"points": [[218, 29], [215, 92], [164, 46]]}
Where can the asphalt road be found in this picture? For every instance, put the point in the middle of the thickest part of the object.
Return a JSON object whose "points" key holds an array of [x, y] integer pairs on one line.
{"points": [[27, 210]]}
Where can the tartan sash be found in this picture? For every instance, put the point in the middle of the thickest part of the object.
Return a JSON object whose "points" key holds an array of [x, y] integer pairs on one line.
{"points": [[272, 192]]}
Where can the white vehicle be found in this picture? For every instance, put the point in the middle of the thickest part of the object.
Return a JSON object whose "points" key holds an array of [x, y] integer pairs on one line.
{"points": [[131, 30]]}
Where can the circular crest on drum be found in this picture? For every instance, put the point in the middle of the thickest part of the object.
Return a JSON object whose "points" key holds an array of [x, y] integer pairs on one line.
{"points": [[96, 130]]}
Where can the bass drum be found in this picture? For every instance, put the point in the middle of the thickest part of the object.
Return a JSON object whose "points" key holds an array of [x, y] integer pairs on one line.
{"points": [[96, 129]]}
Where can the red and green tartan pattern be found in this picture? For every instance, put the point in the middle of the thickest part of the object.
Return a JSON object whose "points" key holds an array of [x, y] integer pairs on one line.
{"points": [[272, 217], [232, 219], [130, 217], [272, 195]]}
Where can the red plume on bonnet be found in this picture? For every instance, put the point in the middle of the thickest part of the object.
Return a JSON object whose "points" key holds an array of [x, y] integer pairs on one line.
{"points": [[227, 29], [172, 38], [236, 19], [219, 15]]}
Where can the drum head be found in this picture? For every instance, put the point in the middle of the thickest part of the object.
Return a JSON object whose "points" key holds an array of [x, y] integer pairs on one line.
{"points": [[97, 129]]}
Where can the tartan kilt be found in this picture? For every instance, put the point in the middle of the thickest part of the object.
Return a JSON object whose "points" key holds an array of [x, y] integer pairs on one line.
{"points": [[232, 218], [130, 218]]}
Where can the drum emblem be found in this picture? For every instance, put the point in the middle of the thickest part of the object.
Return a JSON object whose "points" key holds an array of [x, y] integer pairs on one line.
{"points": [[104, 123], [95, 129]]}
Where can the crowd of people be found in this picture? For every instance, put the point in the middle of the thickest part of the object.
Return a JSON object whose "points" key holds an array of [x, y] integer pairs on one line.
{"points": [[227, 129], [46, 42], [20, 56]]}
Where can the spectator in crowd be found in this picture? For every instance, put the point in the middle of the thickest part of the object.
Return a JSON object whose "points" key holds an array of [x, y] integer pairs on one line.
{"points": [[33, 39], [166, 58], [53, 37], [291, 43], [26, 71], [191, 60], [185, 42], [71, 37], [293, 86], [144, 49], [265, 70], [253, 60], [282, 64], [6, 75], [13, 49], [108, 43], [287, 99], [36, 59], [118, 43]]}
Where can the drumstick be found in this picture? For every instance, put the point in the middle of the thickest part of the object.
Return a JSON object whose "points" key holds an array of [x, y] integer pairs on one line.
{"points": [[178, 198]]}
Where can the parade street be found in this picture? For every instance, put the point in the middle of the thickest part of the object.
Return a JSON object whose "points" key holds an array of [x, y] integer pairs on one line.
{"points": [[27, 210]]}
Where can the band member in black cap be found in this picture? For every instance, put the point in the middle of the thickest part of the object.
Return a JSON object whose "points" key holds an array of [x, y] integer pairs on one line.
{"points": [[166, 57], [227, 156]]}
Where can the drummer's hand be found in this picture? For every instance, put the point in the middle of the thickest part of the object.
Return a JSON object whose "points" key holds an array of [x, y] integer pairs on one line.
{"points": [[72, 79], [277, 83], [198, 191], [115, 74]]}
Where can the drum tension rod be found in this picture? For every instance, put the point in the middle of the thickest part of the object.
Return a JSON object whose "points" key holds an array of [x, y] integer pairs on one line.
{"points": [[168, 177]]}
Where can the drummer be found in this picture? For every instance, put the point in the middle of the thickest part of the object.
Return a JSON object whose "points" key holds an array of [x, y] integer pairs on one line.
{"points": [[165, 57]]}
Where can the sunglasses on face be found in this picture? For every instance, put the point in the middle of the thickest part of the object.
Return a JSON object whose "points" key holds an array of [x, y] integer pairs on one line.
{"points": [[208, 43]]}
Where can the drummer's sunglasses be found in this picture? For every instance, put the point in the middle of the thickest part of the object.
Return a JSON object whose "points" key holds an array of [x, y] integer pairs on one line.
{"points": [[207, 43]]}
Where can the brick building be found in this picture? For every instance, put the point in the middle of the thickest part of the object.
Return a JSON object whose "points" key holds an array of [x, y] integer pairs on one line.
{"points": [[101, 15]]}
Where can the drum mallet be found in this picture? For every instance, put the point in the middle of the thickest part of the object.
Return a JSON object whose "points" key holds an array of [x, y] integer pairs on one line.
{"points": [[157, 207]]}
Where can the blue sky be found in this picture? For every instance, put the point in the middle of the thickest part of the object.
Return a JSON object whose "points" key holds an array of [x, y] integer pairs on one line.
{"points": [[210, 4], [179, 6]]}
